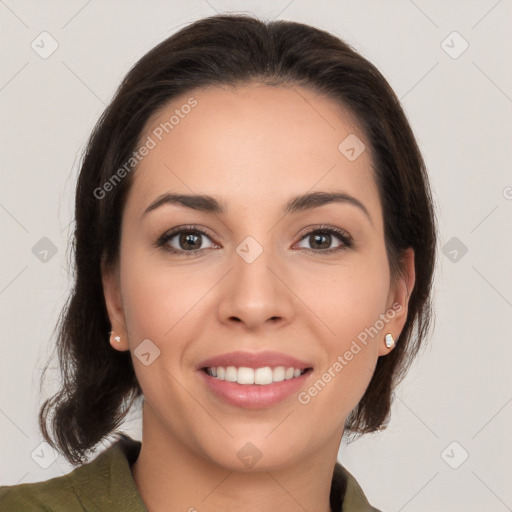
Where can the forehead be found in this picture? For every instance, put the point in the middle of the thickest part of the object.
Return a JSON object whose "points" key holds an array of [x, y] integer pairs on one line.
{"points": [[252, 141]]}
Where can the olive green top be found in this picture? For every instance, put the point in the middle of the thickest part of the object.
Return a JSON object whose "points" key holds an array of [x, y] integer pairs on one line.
{"points": [[106, 484]]}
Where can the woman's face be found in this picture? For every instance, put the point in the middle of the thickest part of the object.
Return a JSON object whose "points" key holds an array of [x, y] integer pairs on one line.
{"points": [[267, 275]]}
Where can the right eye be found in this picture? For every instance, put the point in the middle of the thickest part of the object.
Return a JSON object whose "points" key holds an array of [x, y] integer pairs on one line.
{"points": [[186, 240]]}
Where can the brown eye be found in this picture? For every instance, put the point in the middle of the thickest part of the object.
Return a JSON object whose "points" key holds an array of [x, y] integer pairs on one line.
{"points": [[184, 240], [189, 240], [321, 239]]}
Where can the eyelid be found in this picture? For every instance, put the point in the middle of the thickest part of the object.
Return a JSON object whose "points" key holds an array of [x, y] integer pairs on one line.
{"points": [[325, 228]]}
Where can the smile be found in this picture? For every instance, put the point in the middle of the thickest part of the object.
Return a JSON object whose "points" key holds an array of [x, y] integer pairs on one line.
{"points": [[260, 376], [254, 388]]}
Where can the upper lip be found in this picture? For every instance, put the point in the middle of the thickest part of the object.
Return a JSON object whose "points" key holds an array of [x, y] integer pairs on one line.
{"points": [[253, 360]]}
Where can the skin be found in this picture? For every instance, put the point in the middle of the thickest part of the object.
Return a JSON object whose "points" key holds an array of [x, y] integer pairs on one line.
{"points": [[253, 147]]}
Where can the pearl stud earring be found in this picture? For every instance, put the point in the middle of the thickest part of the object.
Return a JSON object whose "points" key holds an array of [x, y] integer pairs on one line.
{"points": [[116, 338], [390, 342]]}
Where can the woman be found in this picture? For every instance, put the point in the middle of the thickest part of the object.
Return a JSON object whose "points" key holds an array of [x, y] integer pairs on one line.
{"points": [[255, 244]]}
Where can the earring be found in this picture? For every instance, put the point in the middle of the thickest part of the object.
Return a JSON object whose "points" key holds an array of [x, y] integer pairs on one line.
{"points": [[390, 342], [116, 338]]}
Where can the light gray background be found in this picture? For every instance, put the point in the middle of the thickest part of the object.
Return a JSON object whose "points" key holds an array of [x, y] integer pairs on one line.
{"points": [[460, 109]]}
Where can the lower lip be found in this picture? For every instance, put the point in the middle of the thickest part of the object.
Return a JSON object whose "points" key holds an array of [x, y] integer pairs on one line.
{"points": [[254, 396]]}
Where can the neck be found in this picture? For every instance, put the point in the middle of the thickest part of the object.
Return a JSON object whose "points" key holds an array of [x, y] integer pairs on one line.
{"points": [[171, 477]]}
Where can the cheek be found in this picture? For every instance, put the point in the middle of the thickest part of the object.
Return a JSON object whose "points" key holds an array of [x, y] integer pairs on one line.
{"points": [[357, 308], [159, 302], [352, 297], [352, 307], [350, 354]]}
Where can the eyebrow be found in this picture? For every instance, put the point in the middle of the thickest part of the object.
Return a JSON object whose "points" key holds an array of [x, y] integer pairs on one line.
{"points": [[303, 202]]}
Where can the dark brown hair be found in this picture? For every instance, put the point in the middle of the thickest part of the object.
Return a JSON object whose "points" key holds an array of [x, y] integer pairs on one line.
{"points": [[98, 383]]}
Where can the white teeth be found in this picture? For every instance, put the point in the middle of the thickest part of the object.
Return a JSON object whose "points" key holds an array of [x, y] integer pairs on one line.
{"points": [[246, 376], [278, 374], [262, 376], [231, 374]]}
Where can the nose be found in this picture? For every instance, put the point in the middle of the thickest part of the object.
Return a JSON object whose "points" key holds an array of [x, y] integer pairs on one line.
{"points": [[256, 294]]}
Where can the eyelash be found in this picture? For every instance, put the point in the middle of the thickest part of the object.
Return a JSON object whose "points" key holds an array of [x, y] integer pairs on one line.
{"points": [[342, 236]]}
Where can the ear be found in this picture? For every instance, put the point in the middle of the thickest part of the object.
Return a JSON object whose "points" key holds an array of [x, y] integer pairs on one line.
{"points": [[112, 293], [398, 301]]}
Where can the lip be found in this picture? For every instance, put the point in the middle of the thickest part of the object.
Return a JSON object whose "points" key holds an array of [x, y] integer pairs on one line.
{"points": [[254, 360], [253, 396]]}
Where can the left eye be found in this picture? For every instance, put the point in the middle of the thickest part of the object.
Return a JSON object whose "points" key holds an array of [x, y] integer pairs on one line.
{"points": [[324, 237]]}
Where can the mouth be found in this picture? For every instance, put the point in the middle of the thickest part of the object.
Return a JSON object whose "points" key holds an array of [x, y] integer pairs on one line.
{"points": [[262, 376], [253, 388], [253, 380]]}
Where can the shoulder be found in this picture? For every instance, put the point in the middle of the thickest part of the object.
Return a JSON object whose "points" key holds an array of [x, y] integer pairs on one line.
{"points": [[56, 494], [89, 487]]}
